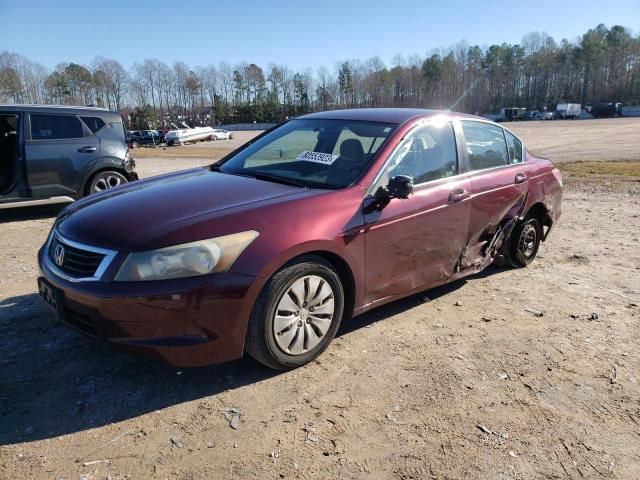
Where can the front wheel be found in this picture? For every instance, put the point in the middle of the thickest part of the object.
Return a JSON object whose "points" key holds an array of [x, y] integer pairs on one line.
{"points": [[105, 181], [296, 315]]}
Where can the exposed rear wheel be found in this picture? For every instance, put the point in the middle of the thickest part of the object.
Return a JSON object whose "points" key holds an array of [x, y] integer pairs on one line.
{"points": [[525, 241], [296, 315]]}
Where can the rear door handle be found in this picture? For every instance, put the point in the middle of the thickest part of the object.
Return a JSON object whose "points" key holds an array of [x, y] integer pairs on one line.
{"points": [[521, 178], [87, 149], [458, 195]]}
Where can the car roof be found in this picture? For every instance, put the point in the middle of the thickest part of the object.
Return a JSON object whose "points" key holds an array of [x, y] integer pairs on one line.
{"points": [[386, 115], [68, 109]]}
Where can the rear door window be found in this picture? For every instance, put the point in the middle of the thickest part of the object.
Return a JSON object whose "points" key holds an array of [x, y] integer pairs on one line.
{"points": [[55, 127], [94, 123], [486, 145], [515, 147]]}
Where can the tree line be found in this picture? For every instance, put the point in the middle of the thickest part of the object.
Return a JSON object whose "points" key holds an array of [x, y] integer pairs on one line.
{"points": [[601, 65]]}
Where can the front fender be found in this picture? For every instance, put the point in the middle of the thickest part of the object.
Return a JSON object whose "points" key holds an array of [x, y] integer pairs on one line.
{"points": [[347, 249]]}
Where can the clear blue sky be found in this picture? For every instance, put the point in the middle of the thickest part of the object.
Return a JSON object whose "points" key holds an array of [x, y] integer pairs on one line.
{"points": [[299, 33]]}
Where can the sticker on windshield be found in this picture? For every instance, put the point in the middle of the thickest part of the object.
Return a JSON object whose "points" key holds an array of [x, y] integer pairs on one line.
{"points": [[317, 157]]}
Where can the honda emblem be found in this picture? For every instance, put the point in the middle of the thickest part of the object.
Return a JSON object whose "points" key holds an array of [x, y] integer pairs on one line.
{"points": [[58, 255]]}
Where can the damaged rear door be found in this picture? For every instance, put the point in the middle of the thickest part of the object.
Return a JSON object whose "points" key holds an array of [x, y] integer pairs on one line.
{"points": [[499, 180]]}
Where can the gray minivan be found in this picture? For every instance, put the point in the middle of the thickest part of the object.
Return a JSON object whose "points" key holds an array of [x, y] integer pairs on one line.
{"points": [[57, 154]]}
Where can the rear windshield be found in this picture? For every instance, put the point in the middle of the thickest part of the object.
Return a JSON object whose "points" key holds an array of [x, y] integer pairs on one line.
{"points": [[312, 153]]}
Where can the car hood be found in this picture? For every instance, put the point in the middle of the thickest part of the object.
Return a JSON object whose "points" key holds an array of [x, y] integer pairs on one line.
{"points": [[179, 207]]}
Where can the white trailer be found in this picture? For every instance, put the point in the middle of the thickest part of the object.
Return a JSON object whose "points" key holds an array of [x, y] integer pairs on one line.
{"points": [[568, 110]]}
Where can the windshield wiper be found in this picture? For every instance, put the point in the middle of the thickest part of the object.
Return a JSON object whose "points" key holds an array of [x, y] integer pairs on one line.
{"points": [[277, 179], [260, 176], [216, 168]]}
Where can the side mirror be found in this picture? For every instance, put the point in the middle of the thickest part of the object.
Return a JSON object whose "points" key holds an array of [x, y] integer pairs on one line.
{"points": [[400, 186]]}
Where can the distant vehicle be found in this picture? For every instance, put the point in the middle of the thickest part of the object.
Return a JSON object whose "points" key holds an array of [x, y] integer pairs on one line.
{"points": [[494, 117], [187, 134], [322, 218], [606, 110], [545, 115], [566, 111], [511, 114], [220, 134], [531, 115], [138, 138], [54, 154]]}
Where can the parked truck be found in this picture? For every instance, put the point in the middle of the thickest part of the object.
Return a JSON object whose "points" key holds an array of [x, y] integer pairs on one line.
{"points": [[568, 110], [605, 110], [510, 114]]}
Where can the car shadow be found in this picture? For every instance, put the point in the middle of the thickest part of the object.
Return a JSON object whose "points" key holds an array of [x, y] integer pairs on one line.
{"points": [[54, 381], [21, 214]]}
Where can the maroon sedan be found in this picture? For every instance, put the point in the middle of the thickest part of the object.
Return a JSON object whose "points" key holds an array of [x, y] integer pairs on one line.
{"points": [[319, 219]]}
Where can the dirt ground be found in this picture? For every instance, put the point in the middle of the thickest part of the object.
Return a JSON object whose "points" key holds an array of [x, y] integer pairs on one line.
{"points": [[511, 374]]}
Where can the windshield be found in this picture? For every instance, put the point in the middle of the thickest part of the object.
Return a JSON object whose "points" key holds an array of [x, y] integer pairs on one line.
{"points": [[312, 153]]}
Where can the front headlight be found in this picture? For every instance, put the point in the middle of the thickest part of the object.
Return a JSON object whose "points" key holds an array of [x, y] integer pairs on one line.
{"points": [[187, 260]]}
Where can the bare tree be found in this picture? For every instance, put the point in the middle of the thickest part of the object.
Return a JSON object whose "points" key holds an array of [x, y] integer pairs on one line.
{"points": [[115, 79], [601, 65]]}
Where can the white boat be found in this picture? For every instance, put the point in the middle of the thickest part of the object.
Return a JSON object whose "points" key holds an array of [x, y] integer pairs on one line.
{"points": [[180, 136]]}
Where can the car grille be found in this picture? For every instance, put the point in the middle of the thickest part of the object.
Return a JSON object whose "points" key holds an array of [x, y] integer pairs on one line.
{"points": [[76, 262]]}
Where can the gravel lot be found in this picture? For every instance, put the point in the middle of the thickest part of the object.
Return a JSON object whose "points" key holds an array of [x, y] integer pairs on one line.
{"points": [[511, 374]]}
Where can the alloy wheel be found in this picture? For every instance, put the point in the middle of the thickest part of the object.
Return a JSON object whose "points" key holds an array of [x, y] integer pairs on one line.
{"points": [[303, 315], [106, 182]]}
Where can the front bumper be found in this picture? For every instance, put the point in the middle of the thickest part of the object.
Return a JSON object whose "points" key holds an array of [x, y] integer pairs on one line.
{"points": [[185, 323]]}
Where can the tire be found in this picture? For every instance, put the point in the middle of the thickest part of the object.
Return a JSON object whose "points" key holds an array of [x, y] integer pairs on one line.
{"points": [[170, 143], [304, 331], [135, 144], [525, 241], [105, 180]]}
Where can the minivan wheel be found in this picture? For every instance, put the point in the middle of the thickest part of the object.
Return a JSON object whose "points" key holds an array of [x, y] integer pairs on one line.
{"points": [[525, 242], [296, 315], [105, 181], [135, 144]]}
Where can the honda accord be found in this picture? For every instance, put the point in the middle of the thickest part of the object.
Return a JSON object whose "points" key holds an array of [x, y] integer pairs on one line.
{"points": [[317, 220]]}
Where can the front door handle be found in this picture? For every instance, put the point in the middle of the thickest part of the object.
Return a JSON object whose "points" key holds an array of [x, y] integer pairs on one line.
{"points": [[521, 178], [87, 149], [458, 195]]}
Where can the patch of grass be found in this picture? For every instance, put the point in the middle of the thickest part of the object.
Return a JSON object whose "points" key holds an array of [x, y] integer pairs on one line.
{"points": [[622, 170]]}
